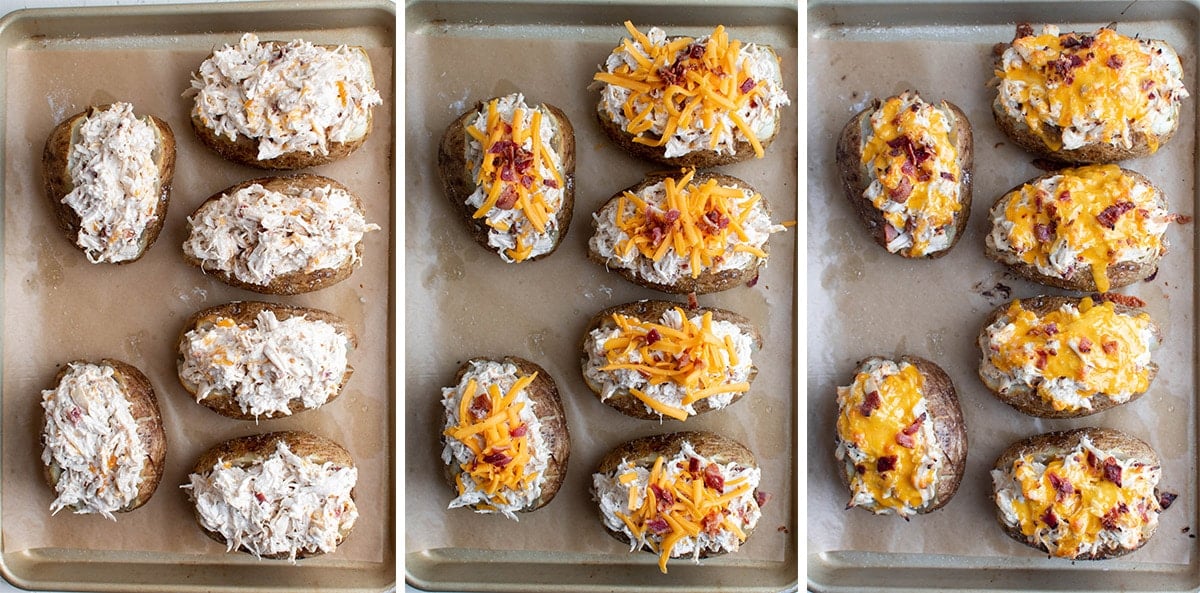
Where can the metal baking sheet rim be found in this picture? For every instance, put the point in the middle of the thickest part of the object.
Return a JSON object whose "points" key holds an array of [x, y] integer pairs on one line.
{"points": [[850, 571], [99, 570]]}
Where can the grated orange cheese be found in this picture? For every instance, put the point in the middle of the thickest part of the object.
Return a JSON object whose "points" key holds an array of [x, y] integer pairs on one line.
{"points": [[500, 457], [672, 85]]}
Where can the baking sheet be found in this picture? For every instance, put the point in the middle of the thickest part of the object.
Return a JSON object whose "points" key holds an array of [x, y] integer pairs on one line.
{"points": [[864, 301], [58, 307], [462, 301]]}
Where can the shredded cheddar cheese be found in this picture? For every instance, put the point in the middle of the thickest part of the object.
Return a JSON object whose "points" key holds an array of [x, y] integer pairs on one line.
{"points": [[911, 158], [1071, 355], [1080, 502], [689, 94], [1094, 216], [1075, 89], [886, 439]]}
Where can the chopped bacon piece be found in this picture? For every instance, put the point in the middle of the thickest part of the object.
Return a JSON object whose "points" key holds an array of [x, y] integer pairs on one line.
{"points": [[1024, 30], [498, 458], [658, 525], [1112, 471], [1042, 358], [1166, 499], [1092, 461], [1044, 232], [260, 497], [1051, 328], [900, 193], [860, 469], [870, 403], [1123, 299], [1109, 520], [480, 407], [713, 478], [886, 463], [1050, 519], [947, 175], [1114, 62], [913, 427], [1085, 345], [753, 281], [552, 183], [1062, 486], [74, 415], [762, 498], [695, 51], [1108, 217], [507, 199], [904, 440], [1110, 347], [519, 430], [692, 302], [694, 465], [652, 336], [711, 524], [889, 233], [746, 85], [1182, 218], [908, 168], [665, 498]]}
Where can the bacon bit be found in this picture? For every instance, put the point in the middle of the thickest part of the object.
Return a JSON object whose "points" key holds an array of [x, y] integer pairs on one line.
{"points": [[870, 403], [753, 281], [74, 415], [480, 407], [762, 498], [711, 524], [1024, 30], [652, 336], [1109, 520], [675, 73], [1062, 486], [889, 233], [1042, 358], [886, 463], [694, 465], [860, 469], [713, 478], [658, 525], [497, 458], [1092, 461], [1110, 347], [507, 199], [900, 193], [1108, 217], [1115, 62], [1182, 218], [948, 176], [1166, 499], [695, 51], [1050, 519], [259, 496], [692, 302], [904, 440], [915, 425], [552, 183], [1123, 299], [1044, 232], [1085, 345], [746, 85], [1112, 471], [665, 499], [1051, 328], [519, 430]]}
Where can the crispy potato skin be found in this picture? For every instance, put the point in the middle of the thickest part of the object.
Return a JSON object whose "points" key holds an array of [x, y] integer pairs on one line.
{"points": [[643, 451], [652, 310], [856, 178], [1119, 275], [945, 412], [1026, 399], [708, 281], [458, 185], [56, 175], [293, 282], [1095, 152], [700, 159], [254, 449], [245, 312], [547, 406], [1056, 444], [143, 406], [244, 150]]}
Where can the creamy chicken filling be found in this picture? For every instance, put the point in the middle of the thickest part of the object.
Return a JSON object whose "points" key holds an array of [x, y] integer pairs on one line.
{"points": [[115, 183], [91, 438]]}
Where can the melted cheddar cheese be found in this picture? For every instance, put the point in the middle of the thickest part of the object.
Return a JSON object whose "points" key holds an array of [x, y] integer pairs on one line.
{"points": [[1072, 354], [1079, 503], [1091, 217], [910, 157], [494, 439], [886, 440], [680, 506], [518, 175], [688, 94], [670, 364], [1076, 89]]}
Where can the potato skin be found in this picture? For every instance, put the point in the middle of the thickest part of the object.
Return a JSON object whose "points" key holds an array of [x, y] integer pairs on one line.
{"points": [[458, 185], [547, 406], [856, 177], [254, 449], [293, 282], [1027, 400], [56, 176], [143, 406], [643, 451], [708, 281], [245, 312], [1119, 275], [652, 310], [244, 150], [1054, 444], [949, 429]]}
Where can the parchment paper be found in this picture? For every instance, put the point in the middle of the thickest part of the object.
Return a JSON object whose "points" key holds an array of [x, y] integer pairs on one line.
{"points": [[58, 307], [463, 301], [864, 301]]}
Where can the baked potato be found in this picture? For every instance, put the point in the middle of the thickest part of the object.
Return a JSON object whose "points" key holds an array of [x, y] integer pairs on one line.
{"points": [[1084, 494], [108, 174], [905, 167], [687, 102], [508, 169], [1090, 229], [684, 232], [1087, 97], [519, 466], [1064, 357], [103, 443], [281, 495], [284, 105], [900, 441], [254, 360], [678, 495], [654, 359], [279, 235]]}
